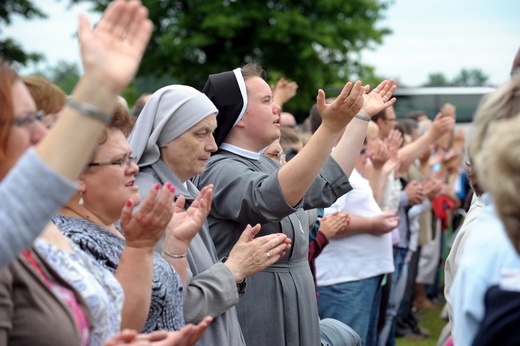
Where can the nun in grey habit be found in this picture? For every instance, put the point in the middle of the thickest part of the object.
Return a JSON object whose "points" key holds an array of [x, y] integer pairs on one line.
{"points": [[280, 306], [212, 289]]}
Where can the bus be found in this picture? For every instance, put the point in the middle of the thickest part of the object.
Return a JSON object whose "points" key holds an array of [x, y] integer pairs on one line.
{"points": [[431, 99]]}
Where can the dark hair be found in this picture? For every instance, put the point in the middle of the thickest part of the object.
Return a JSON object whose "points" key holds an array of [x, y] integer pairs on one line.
{"points": [[379, 115], [139, 105], [8, 77], [314, 118], [407, 125], [415, 114]]}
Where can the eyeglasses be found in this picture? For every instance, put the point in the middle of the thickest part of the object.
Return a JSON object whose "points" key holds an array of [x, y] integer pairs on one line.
{"points": [[127, 161], [391, 119], [28, 119]]}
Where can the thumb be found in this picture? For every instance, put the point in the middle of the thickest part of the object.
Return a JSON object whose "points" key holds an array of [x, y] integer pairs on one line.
{"points": [[179, 203], [390, 213], [249, 233], [438, 116], [320, 101]]}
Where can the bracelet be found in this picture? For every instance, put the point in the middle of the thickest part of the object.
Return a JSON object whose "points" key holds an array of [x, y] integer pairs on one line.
{"points": [[89, 110], [171, 255], [362, 117]]}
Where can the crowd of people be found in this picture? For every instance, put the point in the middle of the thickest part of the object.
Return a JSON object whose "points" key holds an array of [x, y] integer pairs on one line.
{"points": [[213, 218]]}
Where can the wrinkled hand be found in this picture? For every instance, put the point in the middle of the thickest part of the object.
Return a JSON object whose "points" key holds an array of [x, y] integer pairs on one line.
{"points": [[187, 336], [251, 255], [378, 99], [114, 48], [414, 192], [284, 91], [144, 228], [339, 113], [384, 222], [185, 224], [441, 125], [331, 225]]}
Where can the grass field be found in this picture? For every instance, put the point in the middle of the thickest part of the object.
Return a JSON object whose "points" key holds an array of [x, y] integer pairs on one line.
{"points": [[429, 319]]}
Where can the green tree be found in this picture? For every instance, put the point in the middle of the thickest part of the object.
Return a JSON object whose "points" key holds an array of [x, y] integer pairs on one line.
{"points": [[466, 77], [470, 77], [436, 79], [314, 42], [9, 48]]}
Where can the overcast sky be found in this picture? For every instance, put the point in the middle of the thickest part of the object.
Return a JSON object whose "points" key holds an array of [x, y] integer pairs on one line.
{"points": [[428, 36]]}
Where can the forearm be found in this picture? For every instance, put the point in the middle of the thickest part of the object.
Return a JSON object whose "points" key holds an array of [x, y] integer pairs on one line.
{"points": [[20, 187], [347, 150], [173, 254], [212, 292], [358, 225], [75, 135], [378, 180], [414, 150], [135, 274], [305, 166]]}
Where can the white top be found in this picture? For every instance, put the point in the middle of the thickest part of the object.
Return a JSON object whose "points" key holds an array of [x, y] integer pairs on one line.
{"points": [[487, 252], [359, 256]]}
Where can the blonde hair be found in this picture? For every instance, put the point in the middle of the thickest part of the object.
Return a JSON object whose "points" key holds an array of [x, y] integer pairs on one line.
{"points": [[47, 96], [372, 129], [498, 171]]}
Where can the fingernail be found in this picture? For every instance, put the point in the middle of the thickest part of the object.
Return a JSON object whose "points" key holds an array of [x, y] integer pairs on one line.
{"points": [[157, 186], [129, 203]]}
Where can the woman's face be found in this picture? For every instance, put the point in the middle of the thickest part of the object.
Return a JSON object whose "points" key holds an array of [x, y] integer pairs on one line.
{"points": [[188, 154], [28, 133], [106, 189], [262, 117]]}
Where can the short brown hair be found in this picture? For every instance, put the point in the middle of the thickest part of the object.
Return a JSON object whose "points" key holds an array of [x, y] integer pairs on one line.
{"points": [[47, 96]]}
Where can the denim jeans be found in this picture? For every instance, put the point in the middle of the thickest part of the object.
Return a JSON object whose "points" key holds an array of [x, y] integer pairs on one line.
{"points": [[354, 303]]}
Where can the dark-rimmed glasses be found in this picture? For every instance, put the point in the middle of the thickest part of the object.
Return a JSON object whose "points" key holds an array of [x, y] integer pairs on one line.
{"points": [[127, 161]]}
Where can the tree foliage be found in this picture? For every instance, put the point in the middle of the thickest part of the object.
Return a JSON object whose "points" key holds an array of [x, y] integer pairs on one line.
{"points": [[9, 48], [314, 42], [466, 77]]}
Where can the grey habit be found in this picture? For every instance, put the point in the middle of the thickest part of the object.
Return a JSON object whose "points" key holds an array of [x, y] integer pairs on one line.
{"points": [[280, 306], [211, 289]]}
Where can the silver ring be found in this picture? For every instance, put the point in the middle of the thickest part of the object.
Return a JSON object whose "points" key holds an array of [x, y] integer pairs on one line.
{"points": [[267, 254], [384, 99]]}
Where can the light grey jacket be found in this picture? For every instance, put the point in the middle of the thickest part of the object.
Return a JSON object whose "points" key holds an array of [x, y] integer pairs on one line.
{"points": [[30, 195]]}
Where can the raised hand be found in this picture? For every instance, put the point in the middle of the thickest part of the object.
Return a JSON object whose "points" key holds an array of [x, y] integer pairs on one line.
{"points": [[114, 48], [339, 113], [284, 91], [414, 192], [144, 228], [380, 154], [394, 139], [441, 125], [378, 99], [185, 224], [251, 255]]}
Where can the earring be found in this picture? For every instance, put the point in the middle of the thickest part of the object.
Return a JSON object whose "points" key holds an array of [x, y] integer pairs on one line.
{"points": [[80, 202]]}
